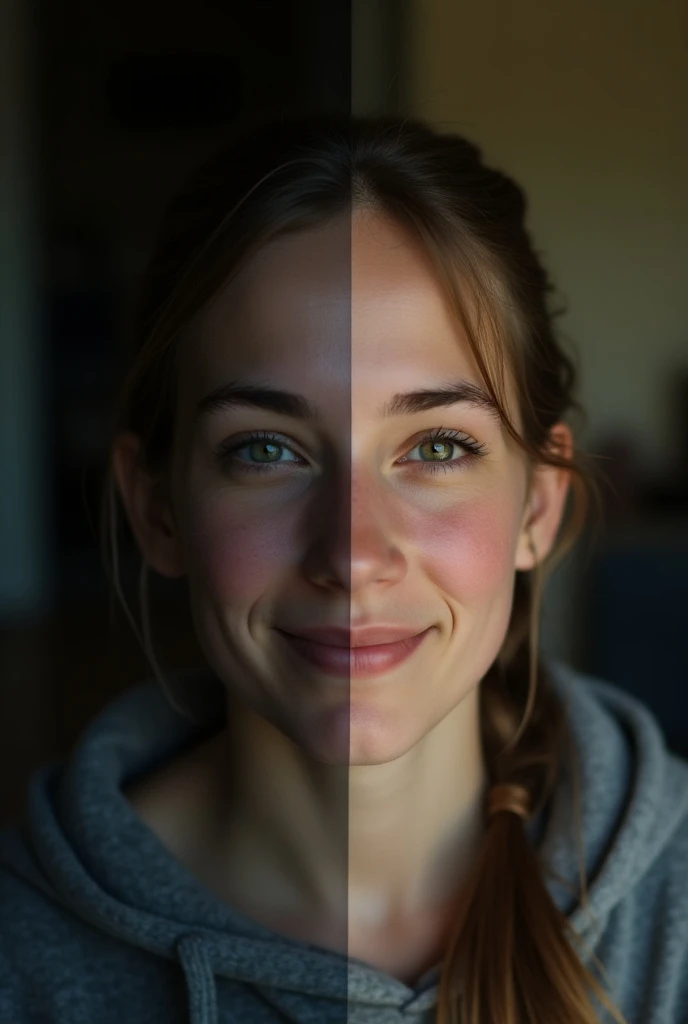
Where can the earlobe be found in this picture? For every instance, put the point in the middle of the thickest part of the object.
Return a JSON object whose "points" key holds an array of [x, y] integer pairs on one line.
{"points": [[527, 555], [147, 509]]}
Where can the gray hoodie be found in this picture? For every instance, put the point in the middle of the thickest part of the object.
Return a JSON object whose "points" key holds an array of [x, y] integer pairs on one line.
{"points": [[99, 923]]}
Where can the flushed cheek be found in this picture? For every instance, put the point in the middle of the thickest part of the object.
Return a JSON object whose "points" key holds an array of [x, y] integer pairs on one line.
{"points": [[239, 557], [467, 550]]}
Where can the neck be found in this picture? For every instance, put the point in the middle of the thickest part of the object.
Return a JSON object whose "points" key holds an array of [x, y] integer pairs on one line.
{"points": [[367, 843]]}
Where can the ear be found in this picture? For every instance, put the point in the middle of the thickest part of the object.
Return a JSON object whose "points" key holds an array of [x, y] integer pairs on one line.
{"points": [[545, 504], [148, 509]]}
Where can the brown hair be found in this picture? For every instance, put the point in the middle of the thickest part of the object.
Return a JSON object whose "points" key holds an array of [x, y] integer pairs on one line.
{"points": [[512, 953]]}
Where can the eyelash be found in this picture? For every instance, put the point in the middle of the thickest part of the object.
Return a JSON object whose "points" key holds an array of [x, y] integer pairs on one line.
{"points": [[473, 450]]}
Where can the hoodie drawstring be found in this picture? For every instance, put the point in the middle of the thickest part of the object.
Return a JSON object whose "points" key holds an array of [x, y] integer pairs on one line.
{"points": [[200, 979]]}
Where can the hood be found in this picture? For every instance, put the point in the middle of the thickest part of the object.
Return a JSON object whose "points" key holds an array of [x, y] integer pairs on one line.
{"points": [[81, 843]]}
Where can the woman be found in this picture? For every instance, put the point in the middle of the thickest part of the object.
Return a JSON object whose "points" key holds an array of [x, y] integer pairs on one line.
{"points": [[344, 425]]}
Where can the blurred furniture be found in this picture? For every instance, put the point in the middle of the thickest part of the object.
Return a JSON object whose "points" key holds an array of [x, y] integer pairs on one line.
{"points": [[635, 598]]}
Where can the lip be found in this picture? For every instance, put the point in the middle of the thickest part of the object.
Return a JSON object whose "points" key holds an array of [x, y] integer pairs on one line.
{"points": [[356, 653], [365, 636]]}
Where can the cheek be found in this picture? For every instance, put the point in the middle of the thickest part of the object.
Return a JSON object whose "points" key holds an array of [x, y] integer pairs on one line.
{"points": [[467, 549], [238, 556]]}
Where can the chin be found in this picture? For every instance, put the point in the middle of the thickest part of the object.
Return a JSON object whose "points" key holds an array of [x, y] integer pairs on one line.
{"points": [[351, 737], [371, 750]]}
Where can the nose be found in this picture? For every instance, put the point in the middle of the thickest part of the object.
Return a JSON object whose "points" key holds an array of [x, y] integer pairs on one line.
{"points": [[355, 544]]}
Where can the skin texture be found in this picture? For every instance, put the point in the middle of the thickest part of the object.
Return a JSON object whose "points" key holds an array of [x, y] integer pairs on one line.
{"points": [[341, 811]]}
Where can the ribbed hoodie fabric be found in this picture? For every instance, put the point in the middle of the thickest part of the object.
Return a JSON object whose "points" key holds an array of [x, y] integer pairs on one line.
{"points": [[99, 923]]}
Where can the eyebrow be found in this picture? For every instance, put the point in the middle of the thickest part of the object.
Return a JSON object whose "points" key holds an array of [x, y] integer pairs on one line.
{"points": [[238, 393]]}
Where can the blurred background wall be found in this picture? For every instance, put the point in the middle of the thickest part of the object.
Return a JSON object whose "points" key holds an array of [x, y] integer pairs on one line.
{"points": [[585, 104], [105, 109]]}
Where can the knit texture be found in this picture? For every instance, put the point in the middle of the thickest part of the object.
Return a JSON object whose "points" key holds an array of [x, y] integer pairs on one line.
{"points": [[99, 922]]}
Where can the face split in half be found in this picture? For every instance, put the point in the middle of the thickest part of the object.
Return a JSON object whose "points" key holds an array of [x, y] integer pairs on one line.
{"points": [[314, 505]]}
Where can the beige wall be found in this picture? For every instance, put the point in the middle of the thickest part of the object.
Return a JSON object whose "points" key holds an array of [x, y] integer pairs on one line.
{"points": [[585, 104]]}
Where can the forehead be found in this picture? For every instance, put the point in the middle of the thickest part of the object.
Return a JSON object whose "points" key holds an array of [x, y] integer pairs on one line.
{"points": [[352, 305]]}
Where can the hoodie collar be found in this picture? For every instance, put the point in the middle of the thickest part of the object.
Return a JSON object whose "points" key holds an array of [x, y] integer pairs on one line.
{"points": [[633, 797]]}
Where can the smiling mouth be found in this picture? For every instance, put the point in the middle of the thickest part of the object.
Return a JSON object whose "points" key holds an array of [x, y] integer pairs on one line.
{"points": [[359, 636], [356, 661]]}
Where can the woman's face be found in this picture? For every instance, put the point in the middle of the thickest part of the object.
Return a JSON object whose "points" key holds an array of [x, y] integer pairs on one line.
{"points": [[346, 516]]}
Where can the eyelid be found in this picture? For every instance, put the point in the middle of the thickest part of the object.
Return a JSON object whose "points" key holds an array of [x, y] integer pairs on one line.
{"points": [[441, 433]]}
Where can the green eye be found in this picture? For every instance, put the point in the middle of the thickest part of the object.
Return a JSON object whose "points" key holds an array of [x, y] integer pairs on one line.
{"points": [[263, 451], [441, 439], [435, 450], [269, 450]]}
